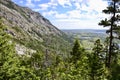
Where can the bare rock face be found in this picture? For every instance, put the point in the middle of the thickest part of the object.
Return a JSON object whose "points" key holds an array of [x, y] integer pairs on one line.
{"points": [[21, 50], [27, 19], [28, 27]]}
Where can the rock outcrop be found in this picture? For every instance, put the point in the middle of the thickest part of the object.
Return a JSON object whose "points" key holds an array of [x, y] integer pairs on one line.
{"points": [[30, 28]]}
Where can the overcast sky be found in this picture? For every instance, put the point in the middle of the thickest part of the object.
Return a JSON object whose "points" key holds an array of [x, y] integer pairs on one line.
{"points": [[69, 14]]}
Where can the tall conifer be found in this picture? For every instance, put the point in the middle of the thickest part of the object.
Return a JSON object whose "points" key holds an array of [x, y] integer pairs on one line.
{"points": [[112, 23]]}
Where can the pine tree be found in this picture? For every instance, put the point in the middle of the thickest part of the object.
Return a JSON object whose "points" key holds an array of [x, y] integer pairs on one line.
{"points": [[79, 59], [112, 9], [10, 65], [96, 62], [77, 51]]}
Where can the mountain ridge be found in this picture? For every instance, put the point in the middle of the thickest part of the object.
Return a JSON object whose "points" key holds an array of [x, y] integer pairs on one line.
{"points": [[30, 28]]}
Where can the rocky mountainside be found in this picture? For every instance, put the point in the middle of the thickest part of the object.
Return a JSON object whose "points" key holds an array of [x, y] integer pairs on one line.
{"points": [[31, 29]]}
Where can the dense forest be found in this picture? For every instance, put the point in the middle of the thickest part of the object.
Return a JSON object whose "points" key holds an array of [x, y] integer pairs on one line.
{"points": [[101, 63]]}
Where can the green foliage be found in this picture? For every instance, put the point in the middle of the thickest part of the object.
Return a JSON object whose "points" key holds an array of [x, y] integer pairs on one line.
{"points": [[10, 65], [105, 22], [6, 51], [115, 72], [87, 38], [77, 51], [6, 48], [112, 48], [52, 61], [113, 23], [96, 62], [80, 65]]}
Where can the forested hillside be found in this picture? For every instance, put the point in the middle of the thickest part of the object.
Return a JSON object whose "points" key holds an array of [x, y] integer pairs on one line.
{"points": [[31, 48]]}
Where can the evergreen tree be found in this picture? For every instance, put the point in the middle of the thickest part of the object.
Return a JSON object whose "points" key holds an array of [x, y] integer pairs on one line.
{"points": [[79, 65], [77, 51], [6, 51], [10, 65], [36, 62], [96, 62], [112, 9], [106, 44]]}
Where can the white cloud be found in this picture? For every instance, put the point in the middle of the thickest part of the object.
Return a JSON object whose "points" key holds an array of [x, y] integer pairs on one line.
{"points": [[65, 3], [43, 6], [50, 13], [61, 16], [77, 5], [74, 14], [97, 5], [55, 14], [85, 13], [51, 4], [30, 4], [37, 9], [76, 24]]}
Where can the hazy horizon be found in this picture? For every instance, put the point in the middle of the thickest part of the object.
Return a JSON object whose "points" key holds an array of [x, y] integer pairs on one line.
{"points": [[82, 29]]}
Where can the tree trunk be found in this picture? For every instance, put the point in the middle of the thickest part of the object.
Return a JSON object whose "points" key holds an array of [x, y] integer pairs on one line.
{"points": [[111, 37]]}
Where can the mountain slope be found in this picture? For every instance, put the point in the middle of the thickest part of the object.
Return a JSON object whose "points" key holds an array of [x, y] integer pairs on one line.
{"points": [[31, 29]]}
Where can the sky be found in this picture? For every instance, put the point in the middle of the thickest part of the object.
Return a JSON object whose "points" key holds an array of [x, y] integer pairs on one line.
{"points": [[69, 14]]}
